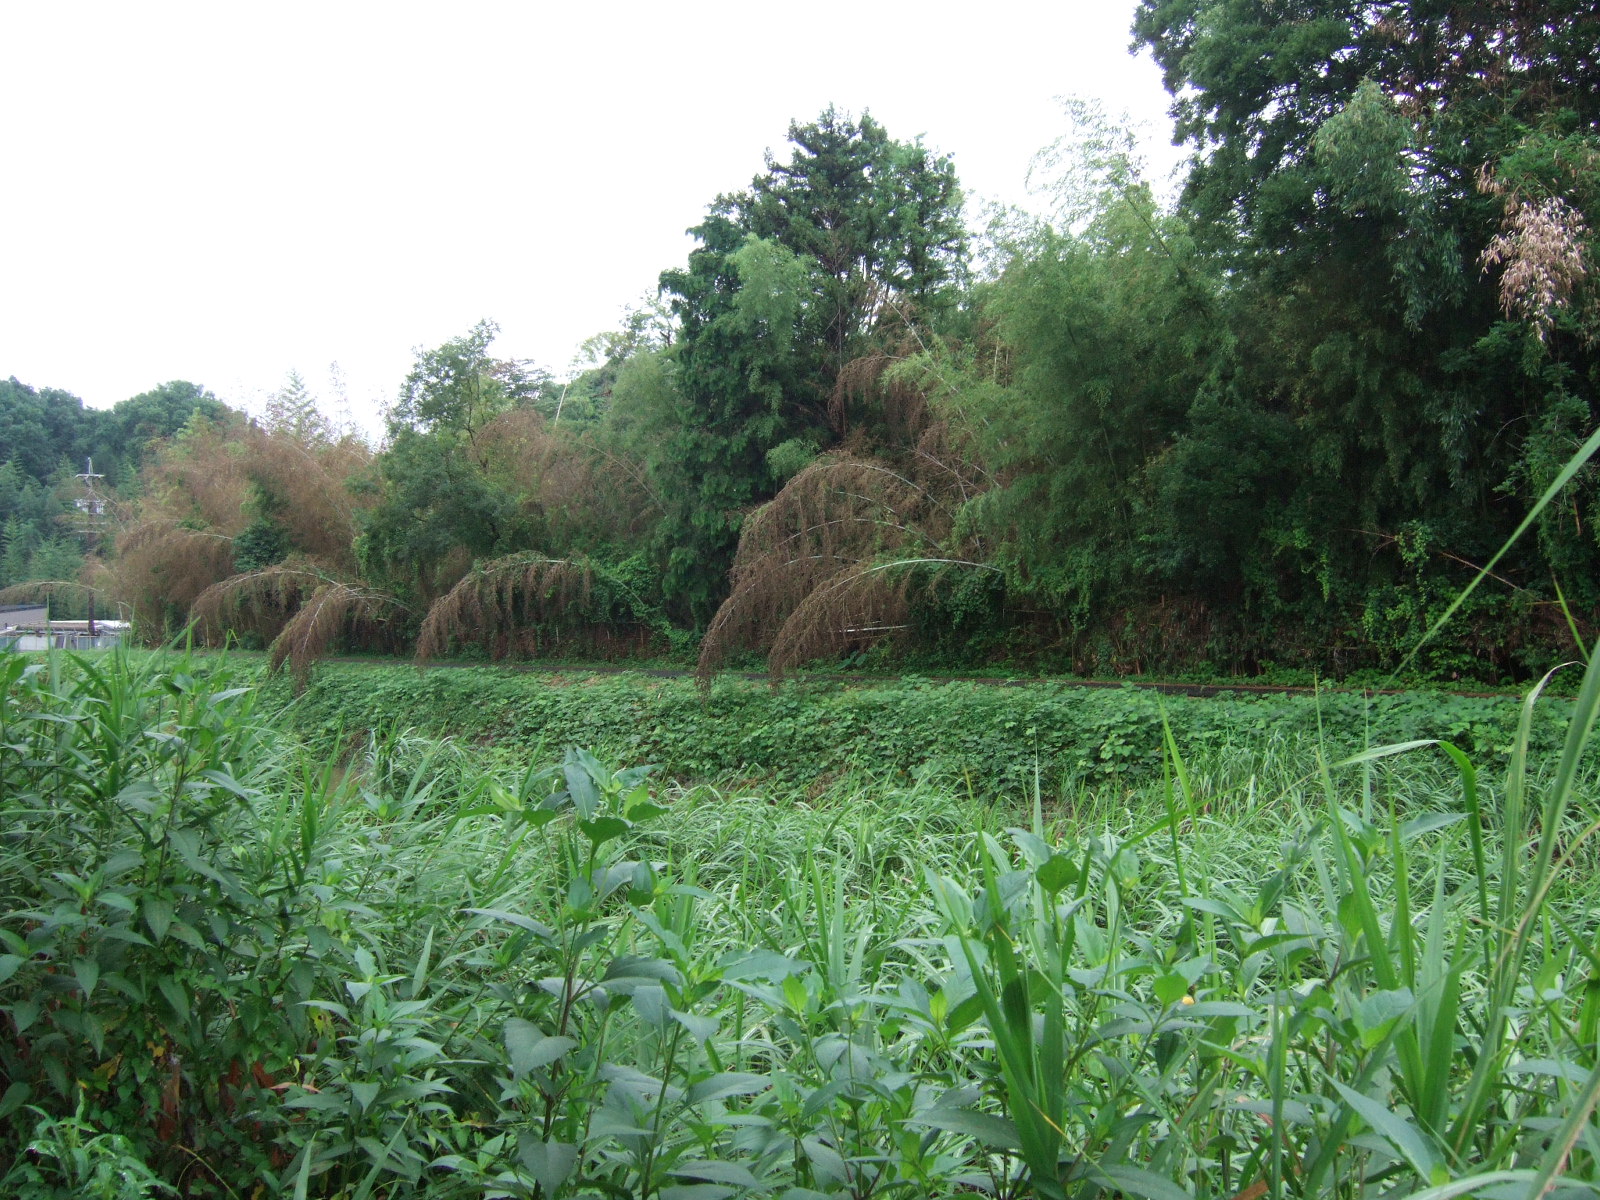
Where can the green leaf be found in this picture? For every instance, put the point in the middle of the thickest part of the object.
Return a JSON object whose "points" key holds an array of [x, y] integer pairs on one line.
{"points": [[324, 1101], [14, 1098], [644, 811], [1470, 1183], [177, 995], [1056, 873], [733, 1173], [1216, 908], [125, 933], [1427, 823], [1558, 1154], [581, 787], [604, 829], [23, 1014], [331, 1006], [702, 1029], [1549, 1068], [999, 1133], [517, 919], [964, 1014], [828, 1163], [728, 1083], [1378, 752], [159, 916], [1378, 1011], [528, 1047], [548, 1162], [1406, 1138], [761, 964], [628, 966], [1136, 1181], [138, 796], [1169, 989], [1218, 1008], [794, 993], [228, 782]]}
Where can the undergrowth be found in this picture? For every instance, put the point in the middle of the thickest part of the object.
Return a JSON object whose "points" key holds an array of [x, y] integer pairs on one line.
{"points": [[993, 741], [232, 967]]}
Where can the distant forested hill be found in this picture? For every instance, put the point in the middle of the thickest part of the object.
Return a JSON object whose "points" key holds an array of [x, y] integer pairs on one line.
{"points": [[47, 437]]}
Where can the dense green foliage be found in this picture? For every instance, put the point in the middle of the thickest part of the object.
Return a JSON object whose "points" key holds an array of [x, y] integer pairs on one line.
{"points": [[1280, 422], [232, 967], [855, 241], [389, 932], [48, 438], [994, 740], [442, 491], [48, 430], [1398, 335]]}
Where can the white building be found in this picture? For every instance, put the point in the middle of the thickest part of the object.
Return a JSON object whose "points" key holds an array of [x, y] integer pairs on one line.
{"points": [[29, 627]]}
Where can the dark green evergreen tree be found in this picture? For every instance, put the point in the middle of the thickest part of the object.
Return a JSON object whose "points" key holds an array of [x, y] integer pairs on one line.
{"points": [[854, 235]]}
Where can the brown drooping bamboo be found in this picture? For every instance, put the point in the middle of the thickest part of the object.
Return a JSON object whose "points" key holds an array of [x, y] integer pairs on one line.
{"points": [[505, 604], [260, 602], [34, 591], [857, 607], [301, 610], [201, 491], [162, 566], [327, 615], [896, 402], [827, 564]]}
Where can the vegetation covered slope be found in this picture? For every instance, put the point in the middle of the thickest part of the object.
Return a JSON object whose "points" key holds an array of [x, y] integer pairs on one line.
{"points": [[989, 741]]}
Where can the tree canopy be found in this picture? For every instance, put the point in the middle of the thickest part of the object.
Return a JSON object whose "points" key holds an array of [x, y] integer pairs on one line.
{"points": [[854, 237]]}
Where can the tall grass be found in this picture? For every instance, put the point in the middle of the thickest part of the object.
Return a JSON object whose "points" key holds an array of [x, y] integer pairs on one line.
{"points": [[232, 968]]}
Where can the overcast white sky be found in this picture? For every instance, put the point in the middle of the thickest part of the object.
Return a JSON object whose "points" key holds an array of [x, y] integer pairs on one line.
{"points": [[221, 192]]}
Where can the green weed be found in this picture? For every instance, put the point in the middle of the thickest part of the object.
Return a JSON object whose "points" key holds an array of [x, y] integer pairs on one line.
{"points": [[1264, 966]]}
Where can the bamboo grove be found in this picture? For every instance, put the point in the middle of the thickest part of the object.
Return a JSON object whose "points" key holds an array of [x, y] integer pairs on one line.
{"points": [[1277, 422]]}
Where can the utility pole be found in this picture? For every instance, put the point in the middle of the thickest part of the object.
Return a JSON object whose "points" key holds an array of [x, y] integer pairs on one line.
{"points": [[91, 504], [91, 519]]}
